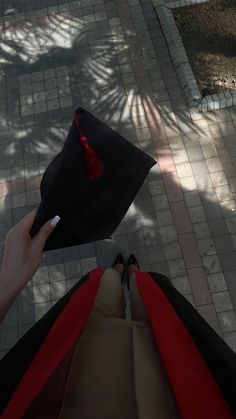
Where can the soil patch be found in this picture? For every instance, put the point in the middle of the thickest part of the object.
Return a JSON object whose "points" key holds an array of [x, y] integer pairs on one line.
{"points": [[208, 32]]}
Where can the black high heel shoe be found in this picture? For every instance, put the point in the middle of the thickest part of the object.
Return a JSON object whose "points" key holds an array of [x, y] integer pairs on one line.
{"points": [[120, 260], [131, 261]]}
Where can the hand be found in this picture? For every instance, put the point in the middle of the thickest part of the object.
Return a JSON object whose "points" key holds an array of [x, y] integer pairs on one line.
{"points": [[23, 253]]}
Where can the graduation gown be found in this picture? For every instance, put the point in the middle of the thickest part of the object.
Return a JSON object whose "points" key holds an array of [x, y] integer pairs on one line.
{"points": [[200, 367]]}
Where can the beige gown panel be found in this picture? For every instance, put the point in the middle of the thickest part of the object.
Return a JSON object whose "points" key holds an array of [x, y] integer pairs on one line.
{"points": [[117, 373]]}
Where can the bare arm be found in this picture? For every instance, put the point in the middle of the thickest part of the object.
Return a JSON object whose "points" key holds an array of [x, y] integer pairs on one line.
{"points": [[21, 259]]}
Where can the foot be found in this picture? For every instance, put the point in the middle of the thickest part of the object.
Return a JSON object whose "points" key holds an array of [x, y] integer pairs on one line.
{"points": [[132, 265], [119, 268], [119, 264], [131, 269]]}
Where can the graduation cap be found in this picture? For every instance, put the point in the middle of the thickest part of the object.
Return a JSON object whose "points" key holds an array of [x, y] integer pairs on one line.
{"points": [[90, 184]]}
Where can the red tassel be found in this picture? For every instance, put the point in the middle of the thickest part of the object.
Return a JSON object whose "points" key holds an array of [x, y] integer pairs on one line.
{"points": [[94, 164]]}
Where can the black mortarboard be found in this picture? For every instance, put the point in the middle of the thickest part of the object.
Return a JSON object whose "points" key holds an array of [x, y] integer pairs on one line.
{"points": [[90, 184]]}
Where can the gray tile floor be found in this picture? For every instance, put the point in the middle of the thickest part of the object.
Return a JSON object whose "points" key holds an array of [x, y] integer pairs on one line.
{"points": [[111, 58]]}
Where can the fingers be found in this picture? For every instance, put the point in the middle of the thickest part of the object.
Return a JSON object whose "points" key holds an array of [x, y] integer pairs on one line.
{"points": [[45, 232], [26, 223]]}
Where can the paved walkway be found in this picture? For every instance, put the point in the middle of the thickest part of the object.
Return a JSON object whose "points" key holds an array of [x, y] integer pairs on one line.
{"points": [[110, 57]]}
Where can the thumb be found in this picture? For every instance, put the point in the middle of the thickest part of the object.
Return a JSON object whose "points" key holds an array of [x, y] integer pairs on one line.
{"points": [[45, 231]]}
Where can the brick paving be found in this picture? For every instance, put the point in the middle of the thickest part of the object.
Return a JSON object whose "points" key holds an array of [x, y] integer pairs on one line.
{"points": [[111, 57]]}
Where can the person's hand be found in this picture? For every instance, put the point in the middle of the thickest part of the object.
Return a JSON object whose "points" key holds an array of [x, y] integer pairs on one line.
{"points": [[23, 253]]}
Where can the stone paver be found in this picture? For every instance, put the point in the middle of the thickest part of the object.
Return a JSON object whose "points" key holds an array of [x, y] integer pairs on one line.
{"points": [[111, 58]]}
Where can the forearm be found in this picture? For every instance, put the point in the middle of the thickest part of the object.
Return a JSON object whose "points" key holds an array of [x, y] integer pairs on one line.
{"points": [[22, 258], [8, 294]]}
